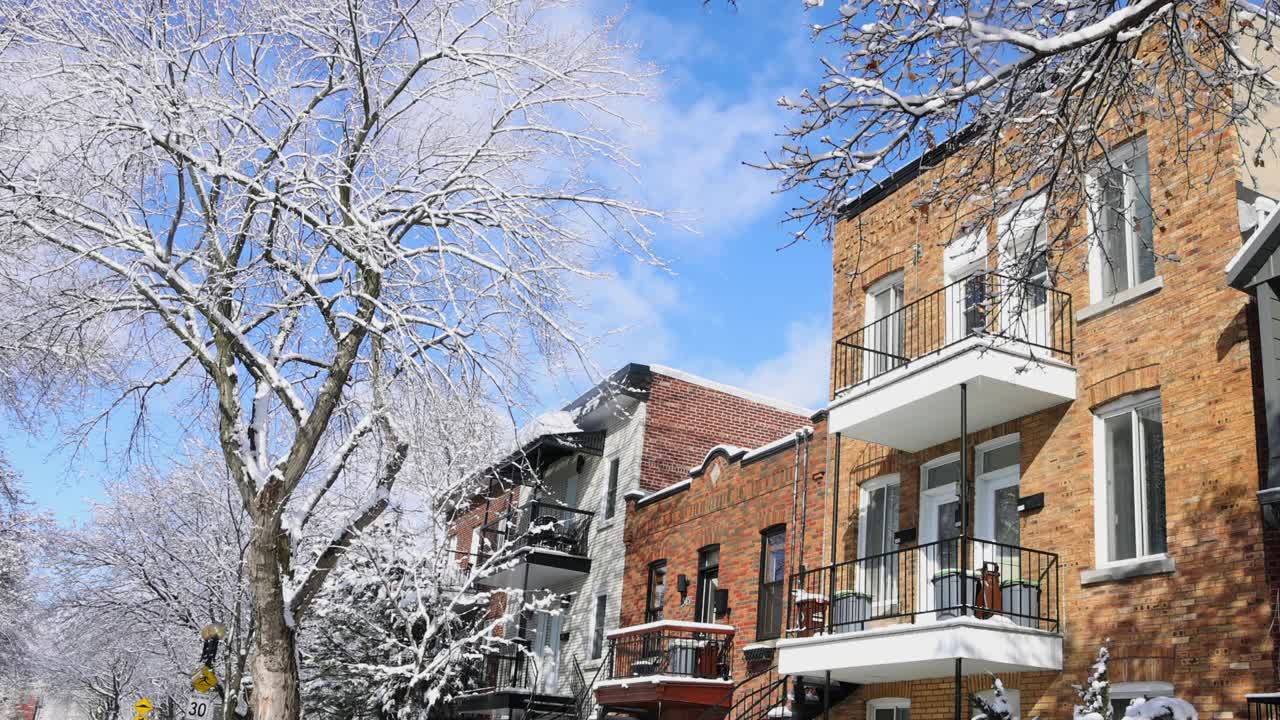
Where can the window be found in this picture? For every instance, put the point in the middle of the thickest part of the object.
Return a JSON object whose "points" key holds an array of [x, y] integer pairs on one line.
{"points": [[773, 577], [1129, 479], [889, 709], [597, 630], [1011, 696], [708, 583], [1123, 693], [611, 498], [883, 334], [656, 597], [1120, 198]]}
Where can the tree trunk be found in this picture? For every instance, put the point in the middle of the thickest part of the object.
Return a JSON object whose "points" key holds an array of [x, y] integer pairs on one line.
{"points": [[275, 659]]}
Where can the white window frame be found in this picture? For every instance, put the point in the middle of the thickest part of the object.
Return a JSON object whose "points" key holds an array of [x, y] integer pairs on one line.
{"points": [[1118, 156], [1146, 689], [1101, 493], [894, 703], [1011, 695], [870, 359], [591, 638]]}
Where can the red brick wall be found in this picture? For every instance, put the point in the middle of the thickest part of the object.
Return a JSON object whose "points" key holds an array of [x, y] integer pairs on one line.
{"points": [[732, 513], [685, 420]]}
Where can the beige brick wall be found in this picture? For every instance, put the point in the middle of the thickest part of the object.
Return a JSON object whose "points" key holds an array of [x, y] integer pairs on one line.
{"points": [[1189, 339]]}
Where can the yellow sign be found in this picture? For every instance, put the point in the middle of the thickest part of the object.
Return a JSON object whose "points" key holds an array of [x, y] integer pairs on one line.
{"points": [[204, 680], [142, 707]]}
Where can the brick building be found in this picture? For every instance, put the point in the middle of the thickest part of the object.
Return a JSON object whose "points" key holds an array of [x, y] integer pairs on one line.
{"points": [[730, 527], [1101, 480], [558, 500]]}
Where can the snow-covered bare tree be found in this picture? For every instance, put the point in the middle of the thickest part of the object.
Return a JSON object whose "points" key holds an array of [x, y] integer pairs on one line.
{"points": [[1025, 98], [160, 558], [406, 621], [20, 529], [271, 212]]}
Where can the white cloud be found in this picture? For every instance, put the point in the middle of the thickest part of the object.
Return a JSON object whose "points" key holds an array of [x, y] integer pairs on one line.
{"points": [[799, 373]]}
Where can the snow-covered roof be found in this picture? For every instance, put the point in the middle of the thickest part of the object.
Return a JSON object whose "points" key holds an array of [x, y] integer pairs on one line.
{"points": [[671, 489], [689, 377], [557, 422], [729, 451], [733, 453], [1257, 248]]}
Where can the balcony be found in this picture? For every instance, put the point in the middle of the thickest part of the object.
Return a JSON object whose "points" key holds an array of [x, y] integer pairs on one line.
{"points": [[1010, 341], [508, 683], [1263, 706], [671, 668], [541, 546], [911, 613]]}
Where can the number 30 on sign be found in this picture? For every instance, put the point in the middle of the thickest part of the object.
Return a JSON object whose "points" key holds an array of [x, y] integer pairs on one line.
{"points": [[199, 707]]}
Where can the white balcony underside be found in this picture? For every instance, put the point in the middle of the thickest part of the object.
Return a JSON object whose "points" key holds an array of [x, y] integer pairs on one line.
{"points": [[926, 650], [537, 569], [917, 406]]}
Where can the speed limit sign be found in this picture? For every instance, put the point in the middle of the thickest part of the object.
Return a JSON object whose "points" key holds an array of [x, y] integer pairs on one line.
{"points": [[199, 706]]}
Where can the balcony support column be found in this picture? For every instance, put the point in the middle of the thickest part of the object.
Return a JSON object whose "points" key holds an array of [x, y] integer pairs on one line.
{"points": [[826, 698], [965, 600], [958, 701], [835, 533]]}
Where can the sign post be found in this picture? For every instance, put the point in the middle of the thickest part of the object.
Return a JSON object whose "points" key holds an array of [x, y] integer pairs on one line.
{"points": [[199, 705], [141, 708]]}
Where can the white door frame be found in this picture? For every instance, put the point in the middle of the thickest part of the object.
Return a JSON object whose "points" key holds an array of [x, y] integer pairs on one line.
{"points": [[872, 361], [1013, 228], [879, 604], [965, 256], [986, 484], [546, 650], [931, 500]]}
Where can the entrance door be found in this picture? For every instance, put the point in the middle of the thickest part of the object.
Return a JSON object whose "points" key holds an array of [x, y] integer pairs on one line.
{"points": [[544, 645], [878, 569], [1024, 265], [883, 335], [939, 552], [997, 507], [708, 583]]}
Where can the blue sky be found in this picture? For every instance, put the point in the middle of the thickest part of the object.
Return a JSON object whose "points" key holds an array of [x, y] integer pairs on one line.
{"points": [[735, 307]]}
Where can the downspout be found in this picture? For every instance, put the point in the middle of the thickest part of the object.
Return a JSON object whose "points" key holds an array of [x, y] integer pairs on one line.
{"points": [[804, 505], [794, 531]]}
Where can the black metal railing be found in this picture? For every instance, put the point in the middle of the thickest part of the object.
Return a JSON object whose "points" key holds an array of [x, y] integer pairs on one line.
{"points": [[510, 667], [986, 304], [1264, 706], [542, 524], [935, 581], [666, 650]]}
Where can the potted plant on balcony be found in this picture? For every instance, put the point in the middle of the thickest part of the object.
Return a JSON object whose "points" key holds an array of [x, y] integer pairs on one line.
{"points": [[849, 610], [1021, 598], [954, 589]]}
